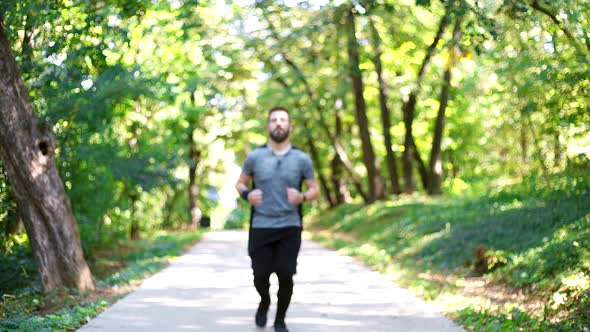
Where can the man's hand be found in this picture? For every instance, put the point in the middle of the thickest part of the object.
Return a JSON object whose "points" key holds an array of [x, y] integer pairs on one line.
{"points": [[255, 197], [294, 196]]}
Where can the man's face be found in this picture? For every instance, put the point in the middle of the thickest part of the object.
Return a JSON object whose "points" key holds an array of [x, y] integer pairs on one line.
{"points": [[279, 126]]}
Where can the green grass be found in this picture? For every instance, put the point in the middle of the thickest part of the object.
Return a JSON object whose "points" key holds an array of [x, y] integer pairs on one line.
{"points": [[127, 264], [477, 319], [535, 234]]}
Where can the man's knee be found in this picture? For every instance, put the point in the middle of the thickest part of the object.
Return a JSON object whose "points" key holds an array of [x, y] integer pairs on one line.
{"points": [[261, 277], [262, 285], [285, 277]]}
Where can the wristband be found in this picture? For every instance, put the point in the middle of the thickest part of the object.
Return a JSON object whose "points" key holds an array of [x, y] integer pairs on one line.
{"points": [[244, 194], [304, 198]]}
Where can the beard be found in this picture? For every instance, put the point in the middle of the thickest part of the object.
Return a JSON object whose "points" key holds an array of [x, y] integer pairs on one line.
{"points": [[279, 136]]}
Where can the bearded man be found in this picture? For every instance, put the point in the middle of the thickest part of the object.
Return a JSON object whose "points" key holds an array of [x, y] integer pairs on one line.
{"points": [[277, 171]]}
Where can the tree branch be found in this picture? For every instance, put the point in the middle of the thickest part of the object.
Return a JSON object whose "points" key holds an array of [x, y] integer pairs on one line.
{"points": [[349, 166], [537, 6]]}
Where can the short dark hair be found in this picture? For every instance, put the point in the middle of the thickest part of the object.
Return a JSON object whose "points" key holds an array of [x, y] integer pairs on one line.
{"points": [[278, 108]]}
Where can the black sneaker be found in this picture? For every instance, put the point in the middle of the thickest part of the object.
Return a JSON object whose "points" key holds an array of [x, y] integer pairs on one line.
{"points": [[261, 312], [280, 326]]}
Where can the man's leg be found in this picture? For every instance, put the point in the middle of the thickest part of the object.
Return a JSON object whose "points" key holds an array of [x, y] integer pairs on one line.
{"points": [[261, 253], [262, 284], [285, 267], [283, 297]]}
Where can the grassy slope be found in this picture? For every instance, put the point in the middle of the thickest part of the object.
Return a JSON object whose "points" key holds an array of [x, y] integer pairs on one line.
{"points": [[117, 271], [537, 236]]}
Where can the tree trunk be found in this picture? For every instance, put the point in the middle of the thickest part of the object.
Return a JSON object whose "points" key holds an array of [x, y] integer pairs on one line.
{"points": [[171, 198], [556, 149], [193, 188], [408, 154], [195, 213], [435, 165], [338, 179], [539, 152], [374, 178], [27, 150], [385, 113], [134, 230], [313, 151], [523, 141], [336, 166], [348, 165], [338, 148], [422, 170], [133, 193], [453, 163], [318, 162], [409, 108]]}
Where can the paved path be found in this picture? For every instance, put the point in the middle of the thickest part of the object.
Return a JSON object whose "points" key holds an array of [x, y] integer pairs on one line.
{"points": [[210, 289]]}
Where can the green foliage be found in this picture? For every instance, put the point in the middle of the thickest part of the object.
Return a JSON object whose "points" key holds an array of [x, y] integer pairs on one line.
{"points": [[8, 214], [532, 234], [124, 85], [237, 219], [17, 268], [486, 260], [516, 320], [118, 111], [30, 309], [62, 320], [425, 3]]}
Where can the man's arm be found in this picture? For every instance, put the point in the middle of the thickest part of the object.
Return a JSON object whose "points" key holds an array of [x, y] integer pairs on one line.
{"points": [[242, 183], [311, 194], [254, 197], [313, 190]]}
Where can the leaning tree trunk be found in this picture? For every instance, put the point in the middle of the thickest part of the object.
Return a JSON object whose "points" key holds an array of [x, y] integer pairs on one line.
{"points": [[422, 169], [27, 150], [334, 139], [435, 165], [337, 146], [409, 108], [375, 180], [315, 155]]}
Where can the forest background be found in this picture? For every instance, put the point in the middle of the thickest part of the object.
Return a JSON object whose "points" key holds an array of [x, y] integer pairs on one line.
{"points": [[450, 133]]}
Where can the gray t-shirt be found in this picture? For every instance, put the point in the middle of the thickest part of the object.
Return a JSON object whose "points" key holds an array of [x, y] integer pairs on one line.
{"points": [[273, 174]]}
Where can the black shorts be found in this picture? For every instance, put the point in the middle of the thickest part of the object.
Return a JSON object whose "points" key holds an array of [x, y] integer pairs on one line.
{"points": [[274, 249]]}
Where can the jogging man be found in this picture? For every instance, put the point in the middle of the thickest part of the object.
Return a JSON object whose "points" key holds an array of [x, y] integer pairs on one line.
{"points": [[277, 170]]}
